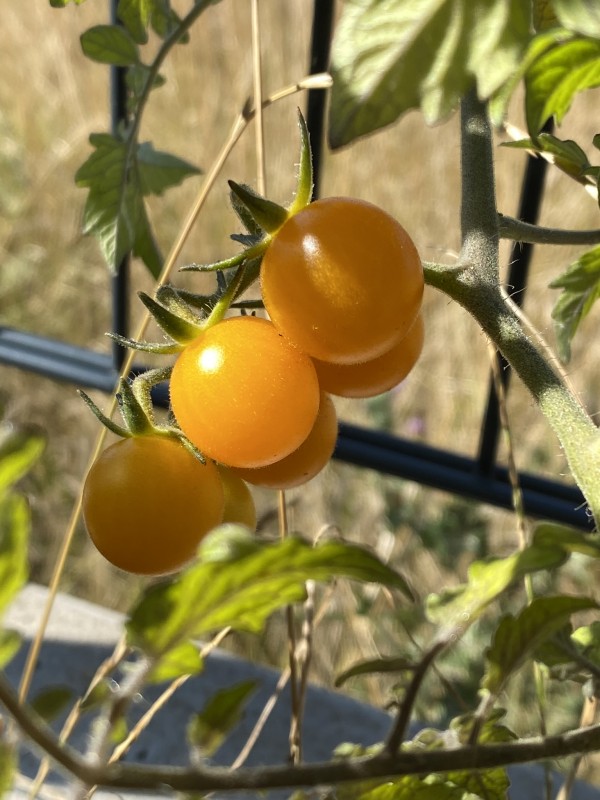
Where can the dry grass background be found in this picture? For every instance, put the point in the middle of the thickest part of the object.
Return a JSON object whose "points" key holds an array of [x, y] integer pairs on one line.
{"points": [[53, 281]]}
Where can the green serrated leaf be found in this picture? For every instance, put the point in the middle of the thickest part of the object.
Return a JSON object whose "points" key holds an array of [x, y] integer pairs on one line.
{"points": [[457, 608], [374, 665], [516, 638], [135, 15], [110, 44], [553, 80], [19, 450], [582, 16], [208, 730], [182, 660], [10, 643], [391, 56], [51, 702], [114, 204], [159, 171], [14, 535], [240, 582], [581, 288]]}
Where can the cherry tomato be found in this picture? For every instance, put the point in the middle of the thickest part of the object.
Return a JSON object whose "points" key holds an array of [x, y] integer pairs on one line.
{"points": [[148, 502], [373, 377], [342, 280], [239, 503], [305, 462], [243, 394]]}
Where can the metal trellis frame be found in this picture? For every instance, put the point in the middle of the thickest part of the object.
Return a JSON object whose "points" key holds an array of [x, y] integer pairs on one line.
{"points": [[478, 478]]}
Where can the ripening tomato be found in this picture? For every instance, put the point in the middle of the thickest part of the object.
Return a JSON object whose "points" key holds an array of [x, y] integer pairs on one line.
{"points": [[239, 503], [374, 377], [243, 394], [307, 461], [148, 502], [342, 280]]}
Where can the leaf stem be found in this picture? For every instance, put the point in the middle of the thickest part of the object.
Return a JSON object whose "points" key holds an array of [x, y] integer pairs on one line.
{"points": [[510, 228]]}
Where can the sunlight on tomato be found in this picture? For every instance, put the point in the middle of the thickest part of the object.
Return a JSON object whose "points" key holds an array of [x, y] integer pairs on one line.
{"points": [[252, 400], [374, 377], [239, 503], [148, 502], [307, 461], [342, 280]]}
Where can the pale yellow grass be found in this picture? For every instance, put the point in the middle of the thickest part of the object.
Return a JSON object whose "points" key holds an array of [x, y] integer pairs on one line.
{"points": [[53, 282]]}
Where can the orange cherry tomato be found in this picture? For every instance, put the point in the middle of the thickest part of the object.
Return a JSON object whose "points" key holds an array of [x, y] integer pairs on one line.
{"points": [[243, 394], [342, 280], [374, 377], [148, 502], [305, 462]]}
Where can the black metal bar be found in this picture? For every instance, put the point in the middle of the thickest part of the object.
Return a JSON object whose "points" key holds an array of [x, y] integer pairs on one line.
{"points": [[320, 45], [520, 261], [120, 281]]}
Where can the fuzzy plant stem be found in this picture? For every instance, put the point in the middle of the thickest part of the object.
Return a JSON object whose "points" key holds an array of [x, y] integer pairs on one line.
{"points": [[474, 283]]}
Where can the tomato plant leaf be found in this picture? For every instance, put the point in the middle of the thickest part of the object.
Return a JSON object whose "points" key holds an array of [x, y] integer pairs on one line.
{"points": [[10, 642], [389, 57], [118, 175], [49, 703], [240, 582], [516, 638], [14, 535], [374, 665], [458, 607], [159, 171], [8, 767], [135, 15], [581, 16], [19, 450], [550, 534], [567, 154], [110, 44], [185, 659], [581, 288], [207, 730], [556, 76]]}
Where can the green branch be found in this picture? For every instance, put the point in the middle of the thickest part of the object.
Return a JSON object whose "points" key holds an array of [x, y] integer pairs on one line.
{"points": [[579, 437], [510, 228]]}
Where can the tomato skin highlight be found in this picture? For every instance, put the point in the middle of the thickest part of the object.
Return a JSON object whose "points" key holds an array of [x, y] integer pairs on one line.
{"points": [[371, 378], [342, 280], [307, 461], [243, 394], [148, 503], [239, 503]]}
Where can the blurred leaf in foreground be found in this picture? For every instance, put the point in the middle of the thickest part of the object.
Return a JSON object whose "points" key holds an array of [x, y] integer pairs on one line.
{"points": [[239, 582], [208, 729]]}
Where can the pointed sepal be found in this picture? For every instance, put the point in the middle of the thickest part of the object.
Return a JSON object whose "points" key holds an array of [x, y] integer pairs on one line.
{"points": [[181, 330], [113, 427], [304, 185], [266, 214]]}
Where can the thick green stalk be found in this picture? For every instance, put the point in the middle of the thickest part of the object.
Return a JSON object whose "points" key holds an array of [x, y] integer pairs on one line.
{"points": [[579, 437]]}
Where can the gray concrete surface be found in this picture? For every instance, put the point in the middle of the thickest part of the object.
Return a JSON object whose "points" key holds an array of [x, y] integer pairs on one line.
{"points": [[80, 635]]}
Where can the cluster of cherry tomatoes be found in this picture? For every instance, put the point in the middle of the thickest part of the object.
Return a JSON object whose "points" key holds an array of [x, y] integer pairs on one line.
{"points": [[342, 284]]}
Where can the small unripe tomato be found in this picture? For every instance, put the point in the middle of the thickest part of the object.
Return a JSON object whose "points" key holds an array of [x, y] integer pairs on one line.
{"points": [[307, 461], [239, 503], [148, 503], [374, 377], [342, 280], [243, 394]]}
